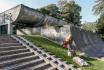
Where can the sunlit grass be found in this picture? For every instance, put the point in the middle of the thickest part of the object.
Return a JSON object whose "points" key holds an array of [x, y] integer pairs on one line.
{"points": [[60, 52], [50, 46]]}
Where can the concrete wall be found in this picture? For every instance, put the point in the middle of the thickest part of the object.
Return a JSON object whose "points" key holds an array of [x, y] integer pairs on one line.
{"points": [[29, 31], [53, 33]]}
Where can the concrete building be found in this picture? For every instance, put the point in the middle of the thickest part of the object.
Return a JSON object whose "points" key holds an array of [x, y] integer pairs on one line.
{"points": [[22, 14], [85, 41]]}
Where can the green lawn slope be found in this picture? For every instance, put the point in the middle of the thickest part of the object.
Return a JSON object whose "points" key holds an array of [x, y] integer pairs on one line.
{"points": [[60, 52]]}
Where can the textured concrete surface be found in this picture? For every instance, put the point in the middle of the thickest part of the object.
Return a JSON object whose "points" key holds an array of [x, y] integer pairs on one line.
{"points": [[18, 57], [24, 14], [88, 42]]}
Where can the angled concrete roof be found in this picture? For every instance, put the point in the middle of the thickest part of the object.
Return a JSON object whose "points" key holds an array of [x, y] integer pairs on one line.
{"points": [[24, 14]]}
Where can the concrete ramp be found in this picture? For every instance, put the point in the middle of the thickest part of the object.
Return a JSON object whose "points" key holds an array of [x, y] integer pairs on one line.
{"points": [[87, 42]]}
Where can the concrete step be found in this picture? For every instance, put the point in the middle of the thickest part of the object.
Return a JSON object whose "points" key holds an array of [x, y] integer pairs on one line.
{"points": [[6, 38], [51, 68], [15, 56], [15, 62], [11, 48], [42, 66], [10, 44], [11, 52], [10, 38], [8, 41], [5, 35], [25, 65]]}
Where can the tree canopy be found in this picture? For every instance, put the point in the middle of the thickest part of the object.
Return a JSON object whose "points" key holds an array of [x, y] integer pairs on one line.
{"points": [[51, 10], [71, 13], [66, 10], [99, 10], [99, 7], [100, 25]]}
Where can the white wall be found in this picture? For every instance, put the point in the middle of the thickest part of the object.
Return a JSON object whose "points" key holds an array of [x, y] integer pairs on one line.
{"points": [[52, 33]]}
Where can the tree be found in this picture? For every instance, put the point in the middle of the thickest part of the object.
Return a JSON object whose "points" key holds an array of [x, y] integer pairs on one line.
{"points": [[99, 10], [71, 13], [51, 10], [100, 25], [61, 4], [99, 7], [68, 10], [43, 10]]}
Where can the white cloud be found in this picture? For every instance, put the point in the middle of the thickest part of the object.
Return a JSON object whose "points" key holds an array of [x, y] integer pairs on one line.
{"points": [[6, 4]]}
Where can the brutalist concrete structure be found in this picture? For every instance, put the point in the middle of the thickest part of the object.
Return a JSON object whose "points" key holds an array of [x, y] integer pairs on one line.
{"points": [[85, 41], [22, 14]]}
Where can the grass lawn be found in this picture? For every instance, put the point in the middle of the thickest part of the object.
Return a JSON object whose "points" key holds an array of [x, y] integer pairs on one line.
{"points": [[62, 53], [50, 46]]}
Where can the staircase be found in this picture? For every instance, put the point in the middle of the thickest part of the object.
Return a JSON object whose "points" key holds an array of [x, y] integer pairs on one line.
{"points": [[15, 56]]}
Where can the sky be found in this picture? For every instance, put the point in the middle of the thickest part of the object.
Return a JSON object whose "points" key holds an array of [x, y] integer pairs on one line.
{"points": [[86, 13]]}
